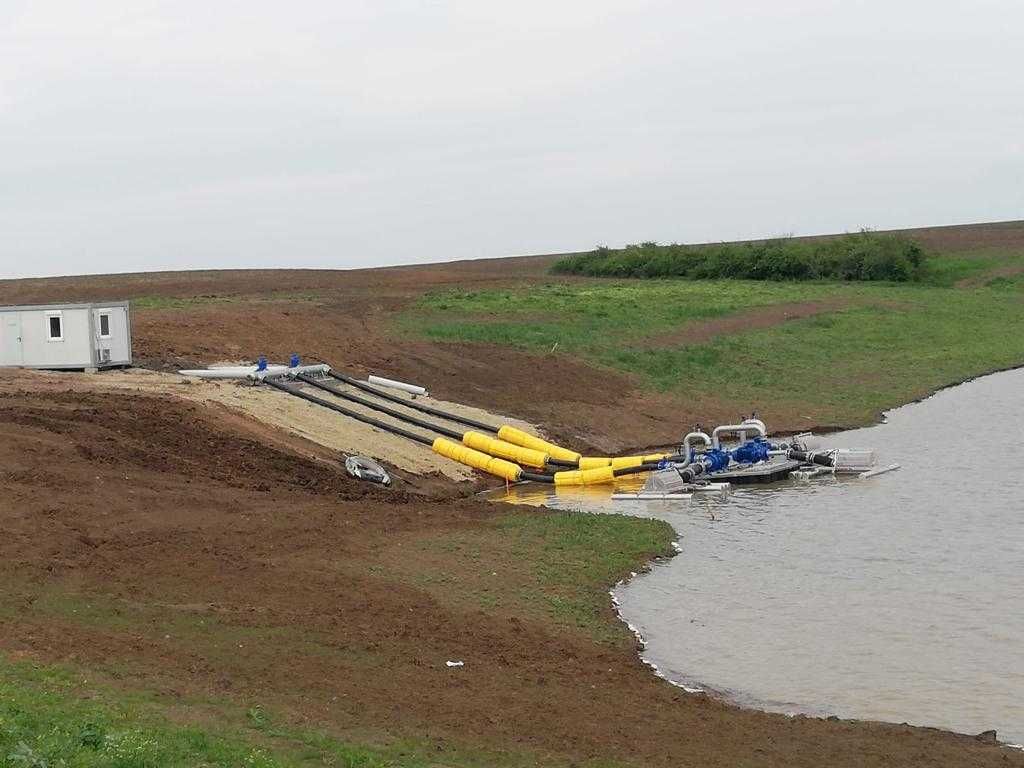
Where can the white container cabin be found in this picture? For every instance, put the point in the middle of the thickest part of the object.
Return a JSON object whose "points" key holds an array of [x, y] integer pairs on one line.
{"points": [[66, 336]]}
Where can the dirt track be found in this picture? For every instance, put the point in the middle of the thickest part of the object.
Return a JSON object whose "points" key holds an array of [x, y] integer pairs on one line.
{"points": [[158, 541]]}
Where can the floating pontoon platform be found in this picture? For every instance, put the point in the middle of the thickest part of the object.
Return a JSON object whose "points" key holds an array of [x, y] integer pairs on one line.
{"points": [[763, 472]]}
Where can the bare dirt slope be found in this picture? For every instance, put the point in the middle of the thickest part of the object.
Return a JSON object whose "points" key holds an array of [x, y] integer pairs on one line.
{"points": [[276, 416], [160, 542], [345, 318]]}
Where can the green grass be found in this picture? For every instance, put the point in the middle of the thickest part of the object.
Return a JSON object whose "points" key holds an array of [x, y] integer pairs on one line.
{"points": [[52, 717], [883, 343], [552, 566], [573, 555], [848, 366], [45, 720], [587, 316]]}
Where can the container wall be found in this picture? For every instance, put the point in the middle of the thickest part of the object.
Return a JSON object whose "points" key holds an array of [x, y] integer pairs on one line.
{"points": [[10, 338], [73, 349]]}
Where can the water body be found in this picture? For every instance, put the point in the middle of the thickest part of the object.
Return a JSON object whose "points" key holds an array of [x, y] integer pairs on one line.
{"points": [[897, 598]]}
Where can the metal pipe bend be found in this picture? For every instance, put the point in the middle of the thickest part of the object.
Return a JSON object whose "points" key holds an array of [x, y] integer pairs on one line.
{"points": [[690, 437], [746, 426]]}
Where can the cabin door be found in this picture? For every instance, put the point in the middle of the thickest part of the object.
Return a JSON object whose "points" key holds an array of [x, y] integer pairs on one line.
{"points": [[111, 326], [10, 339]]}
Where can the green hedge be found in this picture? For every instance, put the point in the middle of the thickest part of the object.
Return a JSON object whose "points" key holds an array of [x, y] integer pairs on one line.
{"points": [[861, 256]]}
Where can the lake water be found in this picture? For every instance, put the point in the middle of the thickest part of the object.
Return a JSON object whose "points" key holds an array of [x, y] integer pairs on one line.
{"points": [[898, 597]]}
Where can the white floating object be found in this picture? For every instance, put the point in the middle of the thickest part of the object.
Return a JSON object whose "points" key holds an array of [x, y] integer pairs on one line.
{"points": [[392, 384], [455, 663], [721, 487], [853, 460], [879, 471]]}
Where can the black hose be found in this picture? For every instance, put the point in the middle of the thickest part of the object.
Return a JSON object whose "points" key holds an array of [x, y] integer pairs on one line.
{"points": [[648, 467], [563, 463], [351, 414], [382, 408], [538, 477], [821, 459], [410, 404], [405, 402]]}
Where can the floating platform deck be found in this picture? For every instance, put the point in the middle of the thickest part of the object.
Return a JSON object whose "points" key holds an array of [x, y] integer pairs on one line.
{"points": [[766, 472]]}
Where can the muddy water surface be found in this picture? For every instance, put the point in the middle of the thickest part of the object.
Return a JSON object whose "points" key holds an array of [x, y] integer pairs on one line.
{"points": [[897, 598]]}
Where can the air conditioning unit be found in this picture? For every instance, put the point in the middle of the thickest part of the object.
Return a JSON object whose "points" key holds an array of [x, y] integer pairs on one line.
{"points": [[104, 355]]}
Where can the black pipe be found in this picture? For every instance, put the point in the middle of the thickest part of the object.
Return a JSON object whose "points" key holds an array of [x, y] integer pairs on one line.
{"points": [[563, 463], [541, 477], [412, 419], [351, 414], [535, 476], [822, 459], [410, 404], [382, 408], [407, 403]]}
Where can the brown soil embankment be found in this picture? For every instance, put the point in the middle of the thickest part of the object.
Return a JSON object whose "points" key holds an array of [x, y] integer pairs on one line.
{"points": [[159, 542]]}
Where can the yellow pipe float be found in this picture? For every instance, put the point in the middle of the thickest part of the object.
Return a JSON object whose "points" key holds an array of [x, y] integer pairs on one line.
{"points": [[619, 462], [526, 440], [506, 456], [596, 476], [527, 457], [477, 459]]}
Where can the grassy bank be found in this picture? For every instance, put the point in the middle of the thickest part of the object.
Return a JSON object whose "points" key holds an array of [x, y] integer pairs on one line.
{"points": [[555, 569], [858, 348], [53, 716]]}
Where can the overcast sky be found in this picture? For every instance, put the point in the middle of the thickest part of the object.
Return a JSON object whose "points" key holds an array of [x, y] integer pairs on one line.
{"points": [[143, 134]]}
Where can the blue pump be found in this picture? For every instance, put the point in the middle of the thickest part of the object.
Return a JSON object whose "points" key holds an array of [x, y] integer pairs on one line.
{"points": [[752, 451], [715, 459], [294, 362], [261, 363]]}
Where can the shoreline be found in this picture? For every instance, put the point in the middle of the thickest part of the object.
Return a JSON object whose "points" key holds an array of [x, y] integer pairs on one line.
{"points": [[739, 699]]}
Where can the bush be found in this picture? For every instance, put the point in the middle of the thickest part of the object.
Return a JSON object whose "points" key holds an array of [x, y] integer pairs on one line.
{"points": [[862, 256]]}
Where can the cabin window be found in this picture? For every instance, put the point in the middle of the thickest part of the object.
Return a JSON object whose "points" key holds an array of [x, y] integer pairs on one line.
{"points": [[104, 326], [54, 326]]}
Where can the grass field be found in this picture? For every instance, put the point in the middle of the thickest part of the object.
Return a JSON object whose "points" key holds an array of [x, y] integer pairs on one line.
{"points": [[553, 567], [877, 345], [53, 717]]}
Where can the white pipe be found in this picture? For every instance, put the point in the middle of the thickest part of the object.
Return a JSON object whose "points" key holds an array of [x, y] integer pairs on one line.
{"points": [[231, 372], [753, 424], [288, 371], [686, 446], [382, 382], [252, 372], [755, 421], [880, 471]]}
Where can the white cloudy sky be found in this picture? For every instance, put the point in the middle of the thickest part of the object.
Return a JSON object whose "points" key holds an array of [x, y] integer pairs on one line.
{"points": [[152, 134]]}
